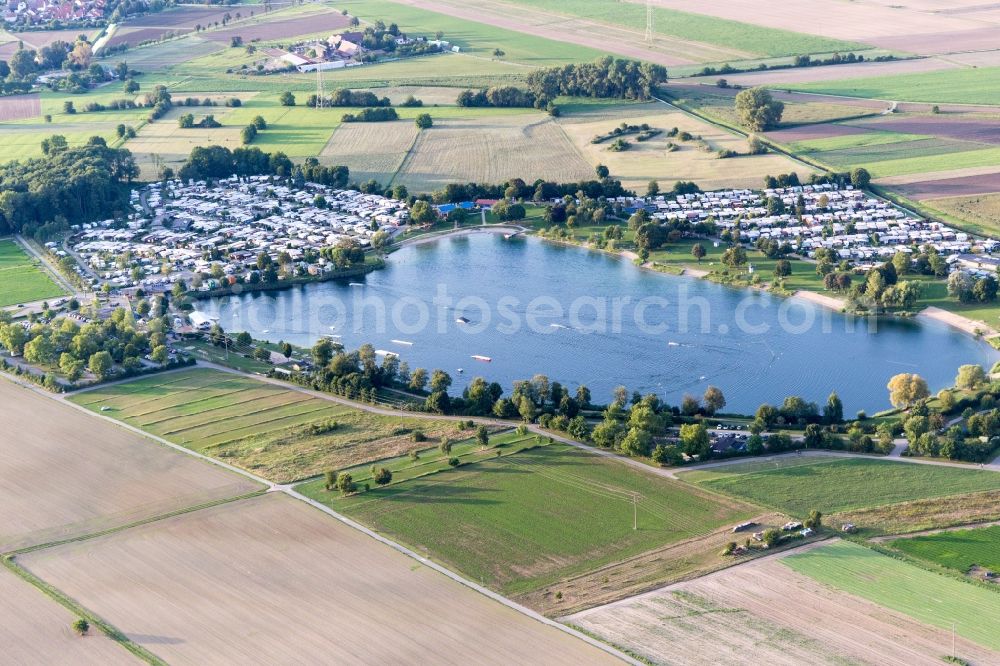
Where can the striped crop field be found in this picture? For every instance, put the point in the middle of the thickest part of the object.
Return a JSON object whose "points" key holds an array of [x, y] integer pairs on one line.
{"points": [[272, 430]]}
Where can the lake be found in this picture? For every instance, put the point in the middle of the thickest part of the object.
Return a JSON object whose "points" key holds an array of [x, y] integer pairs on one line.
{"points": [[584, 317]]}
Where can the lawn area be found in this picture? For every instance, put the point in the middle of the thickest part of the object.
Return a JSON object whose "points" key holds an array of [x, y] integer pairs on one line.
{"points": [[276, 432], [956, 549], [923, 595], [752, 39], [961, 86], [935, 293], [797, 485], [521, 521], [675, 257], [21, 279]]}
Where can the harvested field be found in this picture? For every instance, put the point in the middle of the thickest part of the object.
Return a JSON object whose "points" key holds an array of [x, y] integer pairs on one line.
{"points": [[529, 519], [926, 514], [760, 612], [323, 21], [20, 107], [66, 474], [653, 160], [371, 150], [964, 196], [272, 580], [925, 596], [956, 41], [796, 485], [259, 426], [492, 149], [35, 629]]}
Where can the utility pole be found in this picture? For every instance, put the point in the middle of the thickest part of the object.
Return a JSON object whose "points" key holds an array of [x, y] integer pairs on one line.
{"points": [[649, 21], [319, 87], [635, 511]]}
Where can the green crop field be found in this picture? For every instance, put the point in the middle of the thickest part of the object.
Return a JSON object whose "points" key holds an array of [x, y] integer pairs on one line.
{"points": [[256, 425], [521, 521], [957, 549], [752, 39], [840, 484], [925, 596], [479, 39], [960, 86], [21, 280]]}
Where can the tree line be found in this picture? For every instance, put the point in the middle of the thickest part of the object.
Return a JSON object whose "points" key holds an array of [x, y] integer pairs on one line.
{"points": [[79, 184]]}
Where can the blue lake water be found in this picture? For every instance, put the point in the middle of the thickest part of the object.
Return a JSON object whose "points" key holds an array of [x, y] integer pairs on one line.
{"points": [[584, 317]]}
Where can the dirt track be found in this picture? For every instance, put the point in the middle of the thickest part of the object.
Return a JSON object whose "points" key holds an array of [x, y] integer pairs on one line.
{"points": [[763, 612], [271, 580]]}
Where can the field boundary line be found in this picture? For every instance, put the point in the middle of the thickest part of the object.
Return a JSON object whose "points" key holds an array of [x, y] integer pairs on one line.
{"points": [[138, 523], [77, 609], [287, 489]]}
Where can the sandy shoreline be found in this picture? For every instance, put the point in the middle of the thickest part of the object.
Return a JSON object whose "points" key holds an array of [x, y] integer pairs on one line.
{"points": [[970, 326], [821, 300]]}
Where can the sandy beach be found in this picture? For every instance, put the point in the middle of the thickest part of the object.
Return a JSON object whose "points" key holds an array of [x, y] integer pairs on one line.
{"points": [[970, 326], [821, 299]]}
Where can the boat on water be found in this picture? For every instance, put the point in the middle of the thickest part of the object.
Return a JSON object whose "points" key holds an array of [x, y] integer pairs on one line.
{"points": [[383, 352], [460, 371], [461, 320], [484, 359], [356, 284], [673, 344], [402, 342], [557, 326]]}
